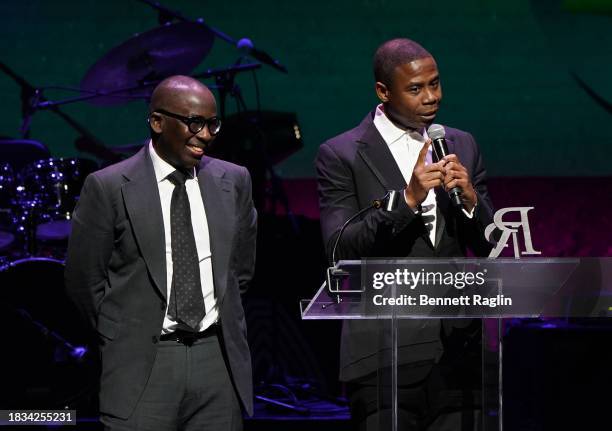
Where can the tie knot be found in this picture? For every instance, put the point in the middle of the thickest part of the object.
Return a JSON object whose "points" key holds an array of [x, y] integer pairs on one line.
{"points": [[178, 177]]}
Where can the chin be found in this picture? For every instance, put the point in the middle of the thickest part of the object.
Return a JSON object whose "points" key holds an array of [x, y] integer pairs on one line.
{"points": [[193, 163], [413, 123], [428, 123], [417, 125], [188, 164]]}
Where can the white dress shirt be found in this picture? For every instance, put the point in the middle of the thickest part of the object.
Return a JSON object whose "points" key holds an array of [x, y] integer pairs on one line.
{"points": [[200, 232], [405, 146]]}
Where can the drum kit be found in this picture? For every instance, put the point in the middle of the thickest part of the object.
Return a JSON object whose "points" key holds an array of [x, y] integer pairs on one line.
{"points": [[36, 204], [38, 194]]}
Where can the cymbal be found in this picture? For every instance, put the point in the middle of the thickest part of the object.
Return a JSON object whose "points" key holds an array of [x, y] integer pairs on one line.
{"points": [[174, 49]]}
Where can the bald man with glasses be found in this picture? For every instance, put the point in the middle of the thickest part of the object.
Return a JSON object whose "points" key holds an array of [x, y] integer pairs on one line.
{"points": [[163, 245]]}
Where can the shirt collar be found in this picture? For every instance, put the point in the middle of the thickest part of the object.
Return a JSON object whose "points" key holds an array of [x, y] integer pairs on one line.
{"points": [[161, 167], [389, 131]]}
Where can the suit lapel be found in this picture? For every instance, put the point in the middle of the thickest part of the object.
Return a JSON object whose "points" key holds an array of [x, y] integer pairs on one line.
{"points": [[376, 155], [141, 198], [442, 202], [217, 195]]}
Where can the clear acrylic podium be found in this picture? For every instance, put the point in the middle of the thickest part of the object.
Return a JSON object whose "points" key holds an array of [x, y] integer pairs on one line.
{"points": [[452, 295]]}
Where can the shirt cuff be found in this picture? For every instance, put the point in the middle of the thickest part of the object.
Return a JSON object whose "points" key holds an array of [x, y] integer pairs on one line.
{"points": [[469, 214], [418, 210]]}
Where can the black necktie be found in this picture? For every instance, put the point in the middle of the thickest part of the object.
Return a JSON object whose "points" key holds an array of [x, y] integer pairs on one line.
{"points": [[186, 300]]}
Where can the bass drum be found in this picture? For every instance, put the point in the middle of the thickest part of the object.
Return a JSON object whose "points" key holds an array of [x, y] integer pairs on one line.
{"points": [[46, 360]]}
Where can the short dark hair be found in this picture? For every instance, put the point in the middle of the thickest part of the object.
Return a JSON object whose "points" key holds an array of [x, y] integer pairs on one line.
{"points": [[393, 53]]}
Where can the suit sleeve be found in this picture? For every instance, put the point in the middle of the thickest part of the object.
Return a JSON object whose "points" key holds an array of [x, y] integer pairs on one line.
{"points": [[89, 249], [483, 215], [246, 247], [365, 237]]}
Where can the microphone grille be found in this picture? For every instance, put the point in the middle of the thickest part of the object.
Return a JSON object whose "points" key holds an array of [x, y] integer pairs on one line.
{"points": [[245, 44], [436, 131]]}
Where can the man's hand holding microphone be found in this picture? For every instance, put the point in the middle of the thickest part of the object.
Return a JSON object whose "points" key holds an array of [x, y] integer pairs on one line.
{"points": [[447, 172]]}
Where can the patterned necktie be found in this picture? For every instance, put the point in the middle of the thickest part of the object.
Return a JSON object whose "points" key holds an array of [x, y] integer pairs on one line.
{"points": [[186, 300]]}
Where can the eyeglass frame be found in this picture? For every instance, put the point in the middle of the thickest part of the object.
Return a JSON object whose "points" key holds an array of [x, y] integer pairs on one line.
{"points": [[188, 121]]}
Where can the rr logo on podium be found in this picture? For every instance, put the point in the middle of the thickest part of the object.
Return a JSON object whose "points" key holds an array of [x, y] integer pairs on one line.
{"points": [[508, 228]]}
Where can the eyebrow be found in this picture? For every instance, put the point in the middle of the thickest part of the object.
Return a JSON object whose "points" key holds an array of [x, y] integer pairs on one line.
{"points": [[200, 116], [422, 83]]}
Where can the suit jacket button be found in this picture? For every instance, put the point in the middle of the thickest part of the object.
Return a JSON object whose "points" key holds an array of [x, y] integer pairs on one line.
{"points": [[155, 339]]}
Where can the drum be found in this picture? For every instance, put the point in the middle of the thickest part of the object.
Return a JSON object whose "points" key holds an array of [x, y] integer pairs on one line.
{"points": [[7, 186], [46, 360], [56, 183], [7, 205], [52, 186]]}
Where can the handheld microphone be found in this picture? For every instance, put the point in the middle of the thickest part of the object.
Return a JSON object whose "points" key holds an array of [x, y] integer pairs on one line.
{"points": [[440, 149]]}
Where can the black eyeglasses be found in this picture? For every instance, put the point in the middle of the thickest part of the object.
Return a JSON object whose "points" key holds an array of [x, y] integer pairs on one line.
{"points": [[196, 124]]}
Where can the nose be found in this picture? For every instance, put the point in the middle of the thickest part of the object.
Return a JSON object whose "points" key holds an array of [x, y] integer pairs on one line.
{"points": [[204, 134], [430, 96]]}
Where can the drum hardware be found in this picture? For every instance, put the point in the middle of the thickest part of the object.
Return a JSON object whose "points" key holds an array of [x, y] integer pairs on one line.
{"points": [[130, 70], [18, 153], [33, 289], [263, 168], [45, 194], [7, 198], [245, 45], [65, 350], [31, 105], [133, 68], [48, 338], [36, 205]]}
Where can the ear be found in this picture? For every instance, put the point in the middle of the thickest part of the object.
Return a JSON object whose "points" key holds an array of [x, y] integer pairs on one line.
{"points": [[382, 92], [155, 121]]}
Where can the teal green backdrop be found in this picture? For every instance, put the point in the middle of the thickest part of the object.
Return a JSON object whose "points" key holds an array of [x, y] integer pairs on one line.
{"points": [[510, 69]]}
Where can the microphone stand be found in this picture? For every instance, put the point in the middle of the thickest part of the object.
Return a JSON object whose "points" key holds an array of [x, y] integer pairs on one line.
{"points": [[166, 16], [335, 275], [46, 104], [34, 100]]}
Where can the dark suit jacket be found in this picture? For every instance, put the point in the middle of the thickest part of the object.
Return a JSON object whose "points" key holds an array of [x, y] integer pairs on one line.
{"points": [[357, 167], [116, 270]]}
